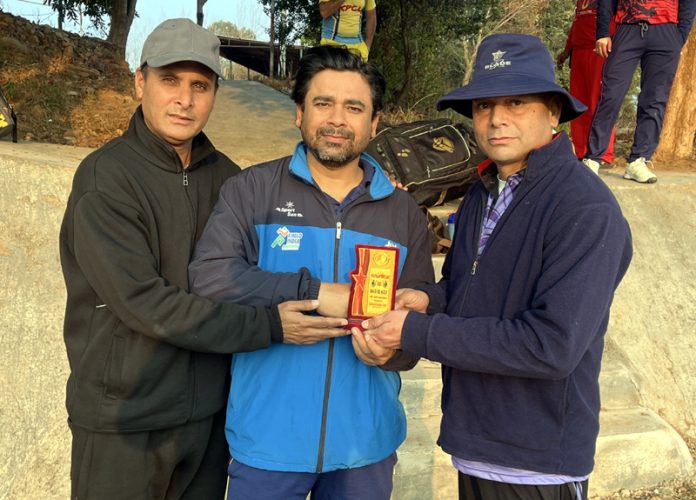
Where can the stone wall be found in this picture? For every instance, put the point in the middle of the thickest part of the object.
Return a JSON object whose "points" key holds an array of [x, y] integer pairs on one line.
{"points": [[653, 323], [34, 443]]}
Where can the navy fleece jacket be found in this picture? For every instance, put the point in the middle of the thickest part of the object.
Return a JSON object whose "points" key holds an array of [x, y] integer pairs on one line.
{"points": [[520, 330]]}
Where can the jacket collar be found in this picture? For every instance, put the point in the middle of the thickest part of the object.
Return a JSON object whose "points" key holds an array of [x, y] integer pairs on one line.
{"points": [[380, 187], [159, 152], [541, 160]]}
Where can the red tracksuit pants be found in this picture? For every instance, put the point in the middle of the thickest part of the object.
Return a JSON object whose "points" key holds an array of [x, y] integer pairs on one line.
{"points": [[585, 85]]}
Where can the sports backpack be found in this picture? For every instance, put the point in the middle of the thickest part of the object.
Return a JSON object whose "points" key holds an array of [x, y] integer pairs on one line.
{"points": [[435, 159]]}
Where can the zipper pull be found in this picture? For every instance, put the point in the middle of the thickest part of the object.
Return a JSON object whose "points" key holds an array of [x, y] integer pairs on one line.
{"points": [[185, 178], [338, 230], [474, 267]]}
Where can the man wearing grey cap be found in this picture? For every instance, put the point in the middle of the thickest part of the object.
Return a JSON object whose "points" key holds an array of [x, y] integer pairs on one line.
{"points": [[518, 319], [148, 360]]}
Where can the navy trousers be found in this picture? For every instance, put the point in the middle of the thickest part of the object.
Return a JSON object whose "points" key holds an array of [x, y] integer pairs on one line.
{"points": [[657, 48], [371, 482]]}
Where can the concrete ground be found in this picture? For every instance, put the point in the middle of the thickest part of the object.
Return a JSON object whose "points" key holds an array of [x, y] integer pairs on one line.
{"points": [[648, 386], [252, 123]]}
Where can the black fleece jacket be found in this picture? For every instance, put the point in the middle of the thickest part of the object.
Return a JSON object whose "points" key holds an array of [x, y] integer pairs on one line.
{"points": [[145, 353]]}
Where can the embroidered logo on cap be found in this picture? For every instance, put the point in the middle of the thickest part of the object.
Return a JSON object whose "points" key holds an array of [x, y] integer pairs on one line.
{"points": [[498, 61]]}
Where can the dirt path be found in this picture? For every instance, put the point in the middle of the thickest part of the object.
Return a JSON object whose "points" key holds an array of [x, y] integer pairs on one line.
{"points": [[252, 123]]}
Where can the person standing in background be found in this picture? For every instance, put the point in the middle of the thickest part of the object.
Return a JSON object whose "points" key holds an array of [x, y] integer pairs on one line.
{"points": [[651, 32], [585, 74], [342, 22]]}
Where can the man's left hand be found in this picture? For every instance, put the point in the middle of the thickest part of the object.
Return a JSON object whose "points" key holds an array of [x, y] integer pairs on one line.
{"points": [[368, 351], [603, 46], [386, 328]]}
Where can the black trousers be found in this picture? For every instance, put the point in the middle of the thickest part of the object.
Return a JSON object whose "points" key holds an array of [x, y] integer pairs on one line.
{"points": [[185, 462], [471, 488]]}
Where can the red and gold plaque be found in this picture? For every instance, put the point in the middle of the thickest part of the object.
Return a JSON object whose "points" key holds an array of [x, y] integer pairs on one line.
{"points": [[372, 283]]}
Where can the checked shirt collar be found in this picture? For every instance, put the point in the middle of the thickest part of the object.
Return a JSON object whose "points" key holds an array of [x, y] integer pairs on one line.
{"points": [[495, 208]]}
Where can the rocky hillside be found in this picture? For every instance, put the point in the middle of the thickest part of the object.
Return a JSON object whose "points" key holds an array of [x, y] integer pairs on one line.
{"points": [[65, 89]]}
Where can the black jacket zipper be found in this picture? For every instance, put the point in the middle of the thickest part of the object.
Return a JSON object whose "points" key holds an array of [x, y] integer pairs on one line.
{"points": [[329, 365]]}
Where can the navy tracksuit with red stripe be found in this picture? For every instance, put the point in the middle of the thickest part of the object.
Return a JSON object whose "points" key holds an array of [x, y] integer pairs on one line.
{"points": [[649, 32]]}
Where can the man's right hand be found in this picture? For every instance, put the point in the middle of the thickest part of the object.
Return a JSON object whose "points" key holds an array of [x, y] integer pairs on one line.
{"points": [[603, 46], [330, 7], [300, 328], [413, 300]]}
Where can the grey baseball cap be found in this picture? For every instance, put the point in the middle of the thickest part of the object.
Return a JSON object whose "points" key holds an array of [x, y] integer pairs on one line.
{"points": [[177, 40]]}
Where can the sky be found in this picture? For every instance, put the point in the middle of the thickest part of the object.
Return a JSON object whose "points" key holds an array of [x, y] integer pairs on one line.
{"points": [[243, 13]]}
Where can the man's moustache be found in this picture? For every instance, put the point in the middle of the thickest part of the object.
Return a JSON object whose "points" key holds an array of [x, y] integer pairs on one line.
{"points": [[347, 134], [185, 115]]}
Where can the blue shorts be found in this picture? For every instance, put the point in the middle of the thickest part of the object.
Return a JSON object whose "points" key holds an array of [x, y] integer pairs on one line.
{"points": [[371, 482]]}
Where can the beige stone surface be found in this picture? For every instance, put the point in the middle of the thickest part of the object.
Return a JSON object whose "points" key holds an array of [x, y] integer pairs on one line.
{"points": [[34, 451], [424, 471], [636, 449], [653, 322]]}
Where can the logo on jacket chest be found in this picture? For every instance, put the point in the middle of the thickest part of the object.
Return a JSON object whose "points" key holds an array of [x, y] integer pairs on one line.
{"points": [[289, 210], [287, 240]]}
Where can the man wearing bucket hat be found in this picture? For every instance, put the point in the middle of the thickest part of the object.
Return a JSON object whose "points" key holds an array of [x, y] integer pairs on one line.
{"points": [[518, 319], [148, 360]]}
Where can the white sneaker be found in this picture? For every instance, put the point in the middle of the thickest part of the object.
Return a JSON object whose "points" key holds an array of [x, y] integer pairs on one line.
{"points": [[639, 170], [591, 164]]}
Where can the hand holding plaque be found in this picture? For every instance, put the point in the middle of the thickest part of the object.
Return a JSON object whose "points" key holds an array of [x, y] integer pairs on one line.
{"points": [[373, 283]]}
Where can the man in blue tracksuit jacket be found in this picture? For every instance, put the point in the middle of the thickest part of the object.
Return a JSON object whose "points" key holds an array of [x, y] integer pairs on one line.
{"points": [[319, 418], [519, 317]]}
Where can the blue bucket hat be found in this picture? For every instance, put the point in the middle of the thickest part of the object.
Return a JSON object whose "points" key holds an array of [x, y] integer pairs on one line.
{"points": [[510, 64]]}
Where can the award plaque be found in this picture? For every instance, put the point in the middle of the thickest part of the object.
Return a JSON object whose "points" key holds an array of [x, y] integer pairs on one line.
{"points": [[372, 283]]}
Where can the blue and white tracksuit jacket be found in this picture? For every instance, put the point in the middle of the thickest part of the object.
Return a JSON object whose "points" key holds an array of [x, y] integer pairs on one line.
{"points": [[272, 234]]}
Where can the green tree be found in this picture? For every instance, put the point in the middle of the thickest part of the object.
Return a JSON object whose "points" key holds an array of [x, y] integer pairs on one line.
{"points": [[294, 19], [226, 28], [118, 14], [121, 14], [414, 48], [426, 48]]}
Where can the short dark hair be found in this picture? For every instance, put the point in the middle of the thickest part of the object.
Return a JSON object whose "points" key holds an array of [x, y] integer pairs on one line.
{"points": [[323, 57]]}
